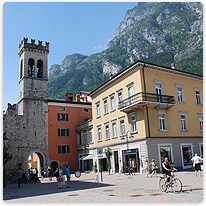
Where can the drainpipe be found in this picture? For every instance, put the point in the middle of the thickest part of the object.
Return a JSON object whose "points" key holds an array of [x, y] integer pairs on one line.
{"points": [[145, 91]]}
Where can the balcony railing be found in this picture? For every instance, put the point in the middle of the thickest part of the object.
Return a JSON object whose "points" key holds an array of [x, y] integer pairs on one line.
{"points": [[150, 99]]}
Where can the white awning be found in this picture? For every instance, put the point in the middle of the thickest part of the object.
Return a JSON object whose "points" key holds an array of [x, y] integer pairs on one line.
{"points": [[87, 157]]}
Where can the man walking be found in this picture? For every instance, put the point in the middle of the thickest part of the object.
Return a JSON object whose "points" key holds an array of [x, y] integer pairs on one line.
{"points": [[196, 161], [68, 175], [19, 176]]}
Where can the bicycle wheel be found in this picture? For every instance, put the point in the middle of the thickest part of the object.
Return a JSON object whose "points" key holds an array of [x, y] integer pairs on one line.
{"points": [[161, 184], [176, 185]]}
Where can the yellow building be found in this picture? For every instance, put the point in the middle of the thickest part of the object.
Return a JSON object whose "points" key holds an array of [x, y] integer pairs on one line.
{"points": [[161, 107]]}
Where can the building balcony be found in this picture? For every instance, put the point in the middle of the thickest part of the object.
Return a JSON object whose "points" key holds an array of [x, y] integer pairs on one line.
{"points": [[142, 99]]}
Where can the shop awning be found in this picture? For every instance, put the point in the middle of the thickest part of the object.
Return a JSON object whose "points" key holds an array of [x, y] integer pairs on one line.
{"points": [[87, 157]]}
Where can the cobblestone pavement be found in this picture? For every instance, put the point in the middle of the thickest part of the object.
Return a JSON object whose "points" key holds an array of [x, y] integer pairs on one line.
{"points": [[115, 188]]}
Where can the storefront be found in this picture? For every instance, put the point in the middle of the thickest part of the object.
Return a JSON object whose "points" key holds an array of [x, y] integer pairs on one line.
{"points": [[131, 158]]}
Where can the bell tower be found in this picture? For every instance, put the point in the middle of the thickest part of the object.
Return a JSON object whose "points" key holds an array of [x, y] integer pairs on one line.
{"points": [[33, 77], [33, 98]]}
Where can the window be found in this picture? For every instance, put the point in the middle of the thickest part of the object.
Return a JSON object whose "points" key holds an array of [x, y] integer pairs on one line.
{"points": [[63, 132], [133, 123], [98, 109], [91, 135], [31, 67], [99, 134], [107, 131], [119, 98], [131, 95], [105, 106], [162, 120], [187, 154], [112, 103], [114, 129], [21, 69], [62, 109], [180, 97], [62, 117], [183, 121], [201, 121], [122, 127], [86, 110], [198, 96], [39, 68], [63, 149]]}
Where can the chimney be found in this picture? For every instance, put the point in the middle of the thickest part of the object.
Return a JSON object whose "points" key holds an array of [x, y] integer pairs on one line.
{"points": [[78, 97], [69, 97], [173, 66]]}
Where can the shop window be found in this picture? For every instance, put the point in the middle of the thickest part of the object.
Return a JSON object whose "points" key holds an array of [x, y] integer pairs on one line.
{"points": [[187, 154], [165, 151]]}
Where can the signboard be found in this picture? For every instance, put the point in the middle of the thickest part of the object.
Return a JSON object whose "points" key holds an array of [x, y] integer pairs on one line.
{"points": [[129, 151], [77, 174]]}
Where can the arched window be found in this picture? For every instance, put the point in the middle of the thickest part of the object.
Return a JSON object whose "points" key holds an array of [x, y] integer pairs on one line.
{"points": [[21, 69], [31, 67], [39, 68]]}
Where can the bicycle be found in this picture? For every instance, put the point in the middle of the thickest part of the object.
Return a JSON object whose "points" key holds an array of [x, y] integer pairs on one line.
{"points": [[126, 171], [173, 182]]}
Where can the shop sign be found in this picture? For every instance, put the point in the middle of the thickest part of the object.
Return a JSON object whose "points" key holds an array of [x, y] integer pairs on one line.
{"points": [[129, 151]]}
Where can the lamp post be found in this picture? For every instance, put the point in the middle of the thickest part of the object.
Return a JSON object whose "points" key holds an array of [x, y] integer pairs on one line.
{"points": [[84, 147], [122, 138], [4, 154]]}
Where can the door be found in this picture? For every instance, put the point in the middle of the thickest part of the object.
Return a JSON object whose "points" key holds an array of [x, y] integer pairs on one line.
{"points": [[116, 161], [159, 93]]}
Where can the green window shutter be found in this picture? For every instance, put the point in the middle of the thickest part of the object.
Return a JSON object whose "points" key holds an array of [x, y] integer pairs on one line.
{"points": [[67, 148], [59, 132], [67, 118], [58, 116], [59, 148], [67, 132]]}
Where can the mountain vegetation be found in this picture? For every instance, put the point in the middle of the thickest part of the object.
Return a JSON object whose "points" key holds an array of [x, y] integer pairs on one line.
{"points": [[160, 33]]}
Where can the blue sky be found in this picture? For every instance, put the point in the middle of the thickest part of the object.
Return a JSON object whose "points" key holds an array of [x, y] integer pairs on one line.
{"points": [[69, 27]]}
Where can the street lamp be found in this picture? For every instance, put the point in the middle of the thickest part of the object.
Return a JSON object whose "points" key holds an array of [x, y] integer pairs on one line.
{"points": [[4, 153], [122, 138], [84, 147]]}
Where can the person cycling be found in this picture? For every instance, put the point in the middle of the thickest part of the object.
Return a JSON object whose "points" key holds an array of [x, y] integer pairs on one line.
{"points": [[166, 169]]}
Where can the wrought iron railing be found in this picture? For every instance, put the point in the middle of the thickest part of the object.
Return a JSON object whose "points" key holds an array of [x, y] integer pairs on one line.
{"points": [[146, 97]]}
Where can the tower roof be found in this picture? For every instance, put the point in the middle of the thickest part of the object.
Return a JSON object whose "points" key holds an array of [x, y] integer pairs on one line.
{"points": [[26, 46]]}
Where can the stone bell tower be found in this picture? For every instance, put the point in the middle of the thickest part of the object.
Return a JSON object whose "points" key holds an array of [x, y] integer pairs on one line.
{"points": [[33, 98]]}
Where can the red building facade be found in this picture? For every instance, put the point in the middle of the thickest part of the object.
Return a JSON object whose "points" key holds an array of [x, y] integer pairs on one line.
{"points": [[63, 118]]}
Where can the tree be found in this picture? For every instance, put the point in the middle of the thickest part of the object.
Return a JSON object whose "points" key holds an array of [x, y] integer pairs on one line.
{"points": [[108, 154]]}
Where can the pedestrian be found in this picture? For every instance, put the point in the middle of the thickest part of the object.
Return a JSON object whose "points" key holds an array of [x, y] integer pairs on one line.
{"points": [[50, 172], [147, 167], [201, 164], [37, 172], [19, 176], [68, 175], [60, 178], [154, 168], [197, 164], [42, 173]]}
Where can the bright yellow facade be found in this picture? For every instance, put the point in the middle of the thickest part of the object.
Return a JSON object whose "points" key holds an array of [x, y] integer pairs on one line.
{"points": [[169, 80]]}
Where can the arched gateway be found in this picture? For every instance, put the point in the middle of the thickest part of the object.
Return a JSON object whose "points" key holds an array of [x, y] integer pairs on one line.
{"points": [[26, 124]]}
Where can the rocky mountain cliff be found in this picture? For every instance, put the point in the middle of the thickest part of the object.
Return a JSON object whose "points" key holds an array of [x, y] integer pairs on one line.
{"points": [[160, 33]]}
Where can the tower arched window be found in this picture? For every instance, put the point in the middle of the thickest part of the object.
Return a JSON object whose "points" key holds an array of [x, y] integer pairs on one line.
{"points": [[21, 69], [39, 68], [31, 67]]}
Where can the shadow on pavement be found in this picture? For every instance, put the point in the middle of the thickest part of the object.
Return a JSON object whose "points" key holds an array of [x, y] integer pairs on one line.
{"points": [[11, 192]]}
